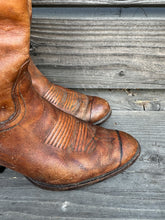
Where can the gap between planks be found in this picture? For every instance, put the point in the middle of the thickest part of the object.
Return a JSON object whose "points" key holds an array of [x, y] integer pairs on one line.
{"points": [[98, 2]]}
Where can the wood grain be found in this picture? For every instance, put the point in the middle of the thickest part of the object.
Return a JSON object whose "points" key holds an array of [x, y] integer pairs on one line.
{"points": [[130, 100], [97, 2], [106, 53], [100, 54], [138, 193]]}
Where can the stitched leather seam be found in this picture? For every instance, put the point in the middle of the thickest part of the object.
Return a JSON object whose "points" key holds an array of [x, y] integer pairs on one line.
{"points": [[64, 136], [121, 146], [16, 95]]}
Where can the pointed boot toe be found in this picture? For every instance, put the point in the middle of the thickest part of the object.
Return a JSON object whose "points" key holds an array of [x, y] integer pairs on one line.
{"points": [[130, 148], [98, 157], [100, 110], [53, 149]]}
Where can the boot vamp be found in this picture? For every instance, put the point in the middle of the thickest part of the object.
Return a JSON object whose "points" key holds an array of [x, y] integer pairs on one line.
{"points": [[49, 145]]}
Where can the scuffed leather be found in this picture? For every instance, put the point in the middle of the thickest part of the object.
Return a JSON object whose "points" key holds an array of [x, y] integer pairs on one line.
{"points": [[14, 35], [37, 139], [87, 108], [51, 146]]}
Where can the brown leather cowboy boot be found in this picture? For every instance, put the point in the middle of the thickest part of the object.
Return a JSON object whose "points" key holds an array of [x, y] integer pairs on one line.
{"points": [[52, 149], [87, 108]]}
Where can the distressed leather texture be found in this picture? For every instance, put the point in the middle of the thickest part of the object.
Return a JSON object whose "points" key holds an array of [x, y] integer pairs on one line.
{"points": [[52, 148], [87, 108]]}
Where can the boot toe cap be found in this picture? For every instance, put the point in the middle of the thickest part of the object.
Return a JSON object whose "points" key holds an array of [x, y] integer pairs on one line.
{"points": [[130, 148], [100, 110]]}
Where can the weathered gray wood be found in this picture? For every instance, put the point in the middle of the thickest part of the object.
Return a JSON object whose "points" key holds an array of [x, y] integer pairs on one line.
{"points": [[131, 100], [98, 12], [138, 193], [101, 53], [98, 2]]}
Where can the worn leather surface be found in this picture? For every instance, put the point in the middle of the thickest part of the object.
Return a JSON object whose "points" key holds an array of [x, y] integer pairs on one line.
{"points": [[87, 108], [14, 35], [37, 139], [51, 146]]}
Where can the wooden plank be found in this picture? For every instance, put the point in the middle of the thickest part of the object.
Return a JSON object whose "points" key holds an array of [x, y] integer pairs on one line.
{"points": [[105, 53], [98, 12], [131, 100], [97, 2], [138, 193]]}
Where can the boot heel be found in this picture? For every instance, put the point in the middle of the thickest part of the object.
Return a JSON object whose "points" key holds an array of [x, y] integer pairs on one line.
{"points": [[2, 169]]}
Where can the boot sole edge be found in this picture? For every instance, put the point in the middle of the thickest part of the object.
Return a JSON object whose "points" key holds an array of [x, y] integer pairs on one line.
{"points": [[103, 119], [88, 181]]}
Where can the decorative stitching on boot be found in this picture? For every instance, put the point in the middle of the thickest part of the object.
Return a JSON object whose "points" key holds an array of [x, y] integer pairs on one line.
{"points": [[69, 133], [71, 102], [62, 99], [20, 107]]}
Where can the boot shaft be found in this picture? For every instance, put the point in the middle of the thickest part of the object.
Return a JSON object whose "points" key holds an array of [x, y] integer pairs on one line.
{"points": [[30, 9], [14, 48]]}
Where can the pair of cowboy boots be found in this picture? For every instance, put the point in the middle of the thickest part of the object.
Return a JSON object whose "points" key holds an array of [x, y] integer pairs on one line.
{"points": [[45, 132]]}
